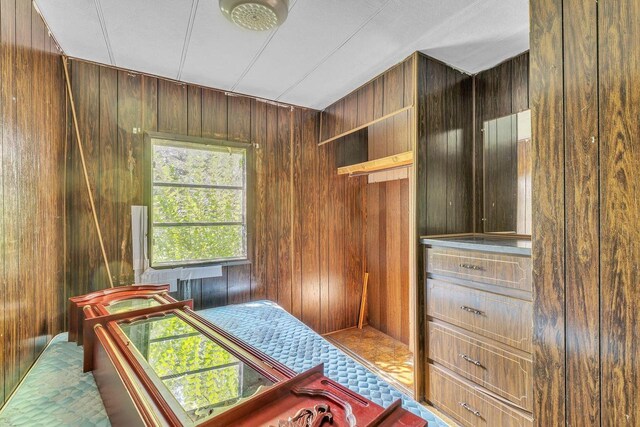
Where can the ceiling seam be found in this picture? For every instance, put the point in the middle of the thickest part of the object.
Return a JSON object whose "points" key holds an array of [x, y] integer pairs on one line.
{"points": [[187, 37], [452, 18], [105, 34], [333, 52], [258, 54]]}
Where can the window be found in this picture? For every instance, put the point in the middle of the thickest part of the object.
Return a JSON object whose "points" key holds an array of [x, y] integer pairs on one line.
{"points": [[198, 202]]}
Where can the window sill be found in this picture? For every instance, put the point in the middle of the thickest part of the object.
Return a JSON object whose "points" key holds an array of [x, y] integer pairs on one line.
{"points": [[229, 263]]}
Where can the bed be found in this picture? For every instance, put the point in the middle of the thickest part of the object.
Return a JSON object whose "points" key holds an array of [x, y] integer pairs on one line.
{"points": [[56, 392]]}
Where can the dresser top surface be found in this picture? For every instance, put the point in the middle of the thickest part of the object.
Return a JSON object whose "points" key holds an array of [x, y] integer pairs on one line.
{"points": [[496, 244]]}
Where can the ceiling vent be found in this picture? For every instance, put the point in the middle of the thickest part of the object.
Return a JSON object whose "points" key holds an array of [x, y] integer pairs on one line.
{"points": [[257, 15]]}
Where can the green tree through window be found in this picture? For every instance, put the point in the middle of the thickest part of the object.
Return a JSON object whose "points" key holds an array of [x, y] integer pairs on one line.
{"points": [[198, 372], [198, 202]]}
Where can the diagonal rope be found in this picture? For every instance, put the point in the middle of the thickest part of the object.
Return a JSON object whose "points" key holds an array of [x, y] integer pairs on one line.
{"points": [[84, 170]]}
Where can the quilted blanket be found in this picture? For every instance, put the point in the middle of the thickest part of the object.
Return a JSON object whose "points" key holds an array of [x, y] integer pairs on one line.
{"points": [[56, 392]]}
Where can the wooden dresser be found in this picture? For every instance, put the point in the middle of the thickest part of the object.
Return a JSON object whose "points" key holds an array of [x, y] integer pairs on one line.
{"points": [[478, 305]]}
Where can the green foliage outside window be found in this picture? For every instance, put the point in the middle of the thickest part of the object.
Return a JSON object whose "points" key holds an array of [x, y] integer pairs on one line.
{"points": [[198, 207], [203, 377]]}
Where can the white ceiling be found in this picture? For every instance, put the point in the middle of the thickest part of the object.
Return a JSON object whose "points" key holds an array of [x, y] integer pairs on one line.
{"points": [[324, 50]]}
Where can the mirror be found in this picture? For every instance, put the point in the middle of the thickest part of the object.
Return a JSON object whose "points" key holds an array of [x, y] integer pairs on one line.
{"points": [[507, 174], [200, 374]]}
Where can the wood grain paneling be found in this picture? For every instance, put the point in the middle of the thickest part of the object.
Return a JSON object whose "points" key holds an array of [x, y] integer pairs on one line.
{"points": [[32, 216], [460, 152], [581, 210], [271, 235], [520, 83], [336, 230], [619, 114], [214, 114], [309, 208], [194, 111], [259, 171], [500, 184], [420, 223], [548, 232], [387, 257], [445, 149], [303, 215], [296, 219], [107, 145], [136, 102], [384, 236], [172, 107], [25, 58], [284, 207], [444, 171], [86, 240], [499, 91], [586, 210], [384, 95]]}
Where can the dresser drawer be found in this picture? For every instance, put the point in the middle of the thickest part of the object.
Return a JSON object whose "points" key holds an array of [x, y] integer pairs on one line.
{"points": [[504, 319], [468, 406], [501, 371], [502, 270]]}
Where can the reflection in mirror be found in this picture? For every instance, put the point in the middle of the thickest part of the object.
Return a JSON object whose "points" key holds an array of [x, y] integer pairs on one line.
{"points": [[131, 304], [507, 174], [202, 376]]}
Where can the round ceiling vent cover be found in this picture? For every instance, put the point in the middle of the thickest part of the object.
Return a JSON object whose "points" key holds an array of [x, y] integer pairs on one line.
{"points": [[257, 15]]}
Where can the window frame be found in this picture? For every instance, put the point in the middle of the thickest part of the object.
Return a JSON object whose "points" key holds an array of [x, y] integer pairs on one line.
{"points": [[176, 140]]}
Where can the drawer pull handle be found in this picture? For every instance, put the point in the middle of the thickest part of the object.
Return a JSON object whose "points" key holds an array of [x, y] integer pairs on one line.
{"points": [[472, 267], [470, 360], [469, 408], [471, 310]]}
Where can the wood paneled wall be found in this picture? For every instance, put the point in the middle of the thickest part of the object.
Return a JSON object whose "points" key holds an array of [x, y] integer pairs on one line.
{"points": [[386, 94], [618, 24], [387, 194], [581, 215], [499, 91], [306, 223], [32, 146], [445, 149], [445, 173], [388, 260], [585, 97]]}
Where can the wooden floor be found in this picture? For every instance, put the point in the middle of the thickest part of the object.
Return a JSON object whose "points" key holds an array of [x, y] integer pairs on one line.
{"points": [[384, 355]]}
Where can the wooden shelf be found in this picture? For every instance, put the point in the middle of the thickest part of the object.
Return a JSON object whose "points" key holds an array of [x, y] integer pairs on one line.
{"points": [[358, 128], [385, 163]]}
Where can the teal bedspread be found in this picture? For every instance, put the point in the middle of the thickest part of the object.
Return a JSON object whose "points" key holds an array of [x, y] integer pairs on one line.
{"points": [[57, 393]]}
